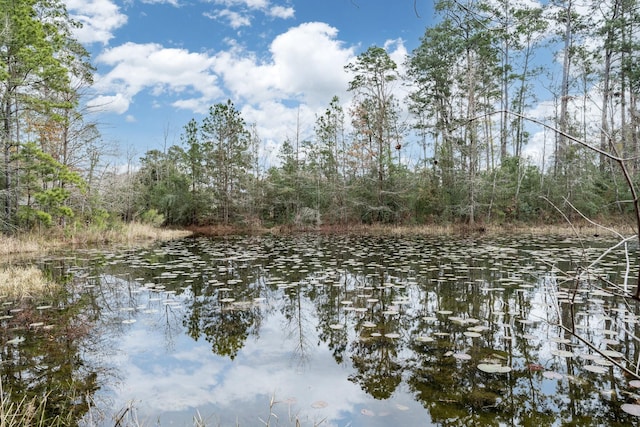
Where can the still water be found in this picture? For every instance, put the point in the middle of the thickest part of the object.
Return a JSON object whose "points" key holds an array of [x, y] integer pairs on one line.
{"points": [[334, 331]]}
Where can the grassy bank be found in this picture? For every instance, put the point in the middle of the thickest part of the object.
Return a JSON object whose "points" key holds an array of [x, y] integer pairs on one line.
{"points": [[137, 233], [126, 234], [576, 229]]}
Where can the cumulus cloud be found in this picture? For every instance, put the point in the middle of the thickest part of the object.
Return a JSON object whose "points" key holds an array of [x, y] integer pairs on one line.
{"points": [[99, 19], [281, 92], [309, 60], [136, 67], [306, 64]]}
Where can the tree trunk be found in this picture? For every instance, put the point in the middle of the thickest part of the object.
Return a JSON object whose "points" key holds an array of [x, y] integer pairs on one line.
{"points": [[564, 89]]}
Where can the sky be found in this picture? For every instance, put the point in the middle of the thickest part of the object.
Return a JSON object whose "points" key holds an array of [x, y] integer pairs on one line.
{"points": [[160, 63]]}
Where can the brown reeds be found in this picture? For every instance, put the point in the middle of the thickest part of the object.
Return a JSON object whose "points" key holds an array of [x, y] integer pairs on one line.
{"points": [[20, 282]]}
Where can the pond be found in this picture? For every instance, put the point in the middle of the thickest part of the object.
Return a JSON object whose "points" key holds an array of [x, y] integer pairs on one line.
{"points": [[333, 331]]}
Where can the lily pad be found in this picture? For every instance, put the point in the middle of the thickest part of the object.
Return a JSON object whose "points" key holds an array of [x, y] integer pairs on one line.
{"points": [[551, 375], [462, 356], [612, 353], [16, 340], [631, 408], [602, 362], [562, 353], [493, 368], [598, 369]]}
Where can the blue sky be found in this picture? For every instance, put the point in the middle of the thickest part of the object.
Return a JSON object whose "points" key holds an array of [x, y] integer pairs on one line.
{"points": [[162, 62]]}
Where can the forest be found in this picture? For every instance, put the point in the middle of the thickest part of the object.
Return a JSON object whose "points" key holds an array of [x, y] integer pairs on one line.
{"points": [[457, 158]]}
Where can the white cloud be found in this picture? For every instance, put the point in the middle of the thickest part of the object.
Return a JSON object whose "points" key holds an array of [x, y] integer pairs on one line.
{"points": [[309, 61], [136, 67], [252, 4], [197, 105], [99, 19], [237, 13], [118, 104], [161, 382], [171, 2], [244, 77], [234, 19], [281, 93], [281, 12]]}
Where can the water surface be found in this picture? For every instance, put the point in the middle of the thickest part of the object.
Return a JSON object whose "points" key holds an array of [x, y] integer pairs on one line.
{"points": [[336, 331]]}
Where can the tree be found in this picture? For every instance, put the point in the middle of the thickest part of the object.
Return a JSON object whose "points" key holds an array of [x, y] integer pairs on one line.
{"points": [[43, 188], [330, 155], [37, 59], [375, 117], [163, 187], [431, 67], [195, 166], [457, 67], [517, 28], [226, 141], [281, 187]]}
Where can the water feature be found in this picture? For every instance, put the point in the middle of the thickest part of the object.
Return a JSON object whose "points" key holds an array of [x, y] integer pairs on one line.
{"points": [[333, 330]]}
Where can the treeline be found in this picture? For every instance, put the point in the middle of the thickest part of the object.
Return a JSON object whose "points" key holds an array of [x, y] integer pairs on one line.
{"points": [[457, 156]]}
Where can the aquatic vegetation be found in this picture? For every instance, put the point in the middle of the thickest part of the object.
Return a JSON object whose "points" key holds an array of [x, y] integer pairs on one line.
{"points": [[359, 326]]}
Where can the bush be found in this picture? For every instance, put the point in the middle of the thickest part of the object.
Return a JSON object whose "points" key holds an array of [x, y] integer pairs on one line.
{"points": [[152, 217]]}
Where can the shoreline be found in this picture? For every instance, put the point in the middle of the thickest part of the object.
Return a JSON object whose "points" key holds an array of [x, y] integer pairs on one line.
{"points": [[136, 234]]}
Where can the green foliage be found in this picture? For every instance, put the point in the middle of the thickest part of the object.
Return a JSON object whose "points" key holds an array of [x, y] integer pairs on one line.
{"points": [[38, 61], [205, 180], [152, 217], [164, 187], [225, 142], [45, 188], [476, 58]]}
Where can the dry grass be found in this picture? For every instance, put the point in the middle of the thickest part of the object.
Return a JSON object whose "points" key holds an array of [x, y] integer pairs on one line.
{"points": [[581, 229], [131, 233], [11, 245], [28, 412], [127, 234], [24, 282], [137, 232]]}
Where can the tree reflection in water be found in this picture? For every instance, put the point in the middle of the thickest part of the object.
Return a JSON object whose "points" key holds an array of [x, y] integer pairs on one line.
{"points": [[403, 318]]}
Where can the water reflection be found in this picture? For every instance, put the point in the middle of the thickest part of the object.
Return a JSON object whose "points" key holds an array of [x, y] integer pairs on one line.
{"points": [[354, 330], [42, 372]]}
